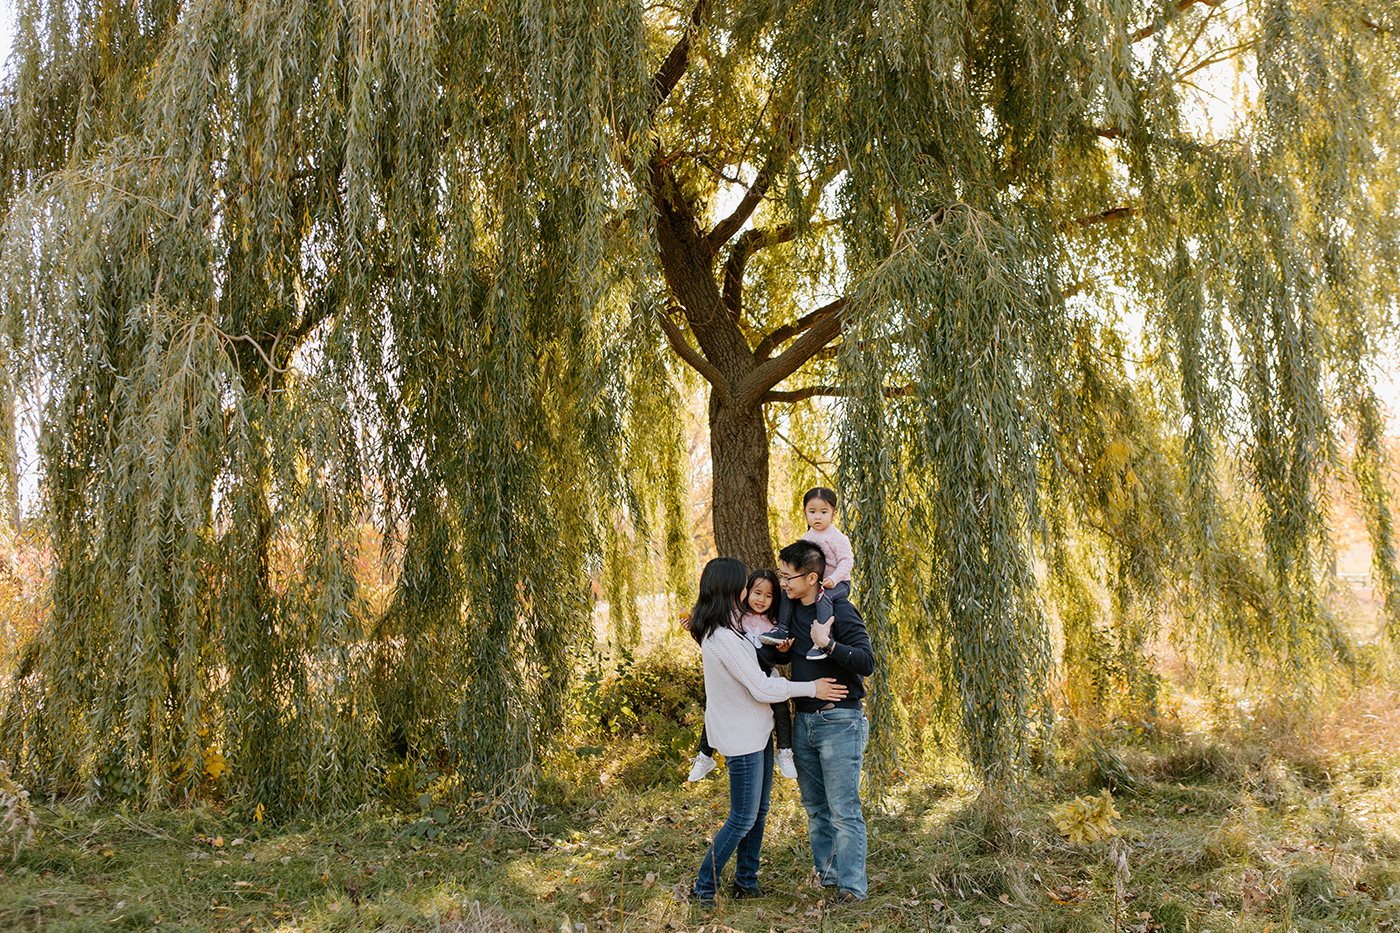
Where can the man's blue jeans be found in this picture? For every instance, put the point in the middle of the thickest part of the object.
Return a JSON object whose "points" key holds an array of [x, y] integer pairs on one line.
{"points": [[828, 747], [750, 784]]}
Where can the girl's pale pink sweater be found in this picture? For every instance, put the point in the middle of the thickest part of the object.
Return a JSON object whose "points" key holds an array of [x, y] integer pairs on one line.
{"points": [[755, 623], [837, 548]]}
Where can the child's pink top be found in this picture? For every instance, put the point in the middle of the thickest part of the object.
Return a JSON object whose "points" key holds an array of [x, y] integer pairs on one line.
{"points": [[755, 623], [840, 559]]}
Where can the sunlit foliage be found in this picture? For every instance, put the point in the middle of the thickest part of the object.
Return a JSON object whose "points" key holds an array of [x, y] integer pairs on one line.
{"points": [[276, 271]]}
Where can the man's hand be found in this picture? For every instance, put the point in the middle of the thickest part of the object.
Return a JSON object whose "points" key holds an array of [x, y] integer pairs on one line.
{"points": [[828, 584], [830, 689], [821, 634]]}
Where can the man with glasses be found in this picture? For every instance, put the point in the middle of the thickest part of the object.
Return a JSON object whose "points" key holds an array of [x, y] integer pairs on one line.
{"points": [[828, 738]]}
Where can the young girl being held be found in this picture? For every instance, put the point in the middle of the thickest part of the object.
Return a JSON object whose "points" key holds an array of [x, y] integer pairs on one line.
{"points": [[760, 614]]}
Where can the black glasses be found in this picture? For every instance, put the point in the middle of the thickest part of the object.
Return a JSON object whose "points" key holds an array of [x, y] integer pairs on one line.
{"points": [[785, 577]]}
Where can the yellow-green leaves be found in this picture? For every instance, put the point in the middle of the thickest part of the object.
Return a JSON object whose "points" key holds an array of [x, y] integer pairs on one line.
{"points": [[18, 821], [1086, 819]]}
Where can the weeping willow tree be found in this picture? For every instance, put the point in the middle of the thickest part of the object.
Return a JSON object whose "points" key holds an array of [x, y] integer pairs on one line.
{"points": [[276, 272]]}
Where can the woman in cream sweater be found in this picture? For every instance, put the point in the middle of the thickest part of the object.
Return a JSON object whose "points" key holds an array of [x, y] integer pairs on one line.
{"points": [[739, 721]]}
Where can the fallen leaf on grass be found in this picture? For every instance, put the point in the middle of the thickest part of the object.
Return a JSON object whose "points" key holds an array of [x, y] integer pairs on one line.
{"points": [[985, 921], [649, 880], [1252, 891]]}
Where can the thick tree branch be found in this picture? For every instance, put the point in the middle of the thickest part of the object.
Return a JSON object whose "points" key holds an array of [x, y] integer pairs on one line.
{"points": [[826, 324], [1113, 213], [669, 75], [730, 225], [1181, 7], [799, 395], [676, 337], [749, 242], [768, 344], [662, 83]]}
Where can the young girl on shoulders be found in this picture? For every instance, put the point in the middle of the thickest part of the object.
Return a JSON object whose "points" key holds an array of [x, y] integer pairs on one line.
{"points": [[819, 508]]}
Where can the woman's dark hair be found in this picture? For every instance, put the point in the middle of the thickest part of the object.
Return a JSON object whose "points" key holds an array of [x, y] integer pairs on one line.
{"points": [[820, 492], [763, 573], [721, 582]]}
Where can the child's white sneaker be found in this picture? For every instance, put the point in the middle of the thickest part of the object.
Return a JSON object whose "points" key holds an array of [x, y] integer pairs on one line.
{"points": [[701, 766], [785, 766]]}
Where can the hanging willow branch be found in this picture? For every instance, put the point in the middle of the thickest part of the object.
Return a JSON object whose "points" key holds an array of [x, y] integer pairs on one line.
{"points": [[298, 288]]}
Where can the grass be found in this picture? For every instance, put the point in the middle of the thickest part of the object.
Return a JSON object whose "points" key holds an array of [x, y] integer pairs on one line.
{"points": [[1266, 823], [1223, 834]]}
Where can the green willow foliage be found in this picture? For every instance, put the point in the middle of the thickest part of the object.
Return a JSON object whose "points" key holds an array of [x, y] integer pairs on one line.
{"points": [[274, 274], [280, 272]]}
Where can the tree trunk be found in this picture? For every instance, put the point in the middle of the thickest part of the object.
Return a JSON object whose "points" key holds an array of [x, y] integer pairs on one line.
{"points": [[739, 466], [9, 444]]}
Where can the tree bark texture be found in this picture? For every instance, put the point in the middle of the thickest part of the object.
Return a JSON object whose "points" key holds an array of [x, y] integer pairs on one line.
{"points": [[739, 467]]}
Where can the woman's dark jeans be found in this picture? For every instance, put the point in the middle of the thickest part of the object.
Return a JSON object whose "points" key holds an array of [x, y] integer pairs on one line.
{"points": [[750, 784]]}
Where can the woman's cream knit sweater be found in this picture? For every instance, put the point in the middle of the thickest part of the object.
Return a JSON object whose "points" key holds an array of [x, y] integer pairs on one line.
{"points": [[738, 717]]}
